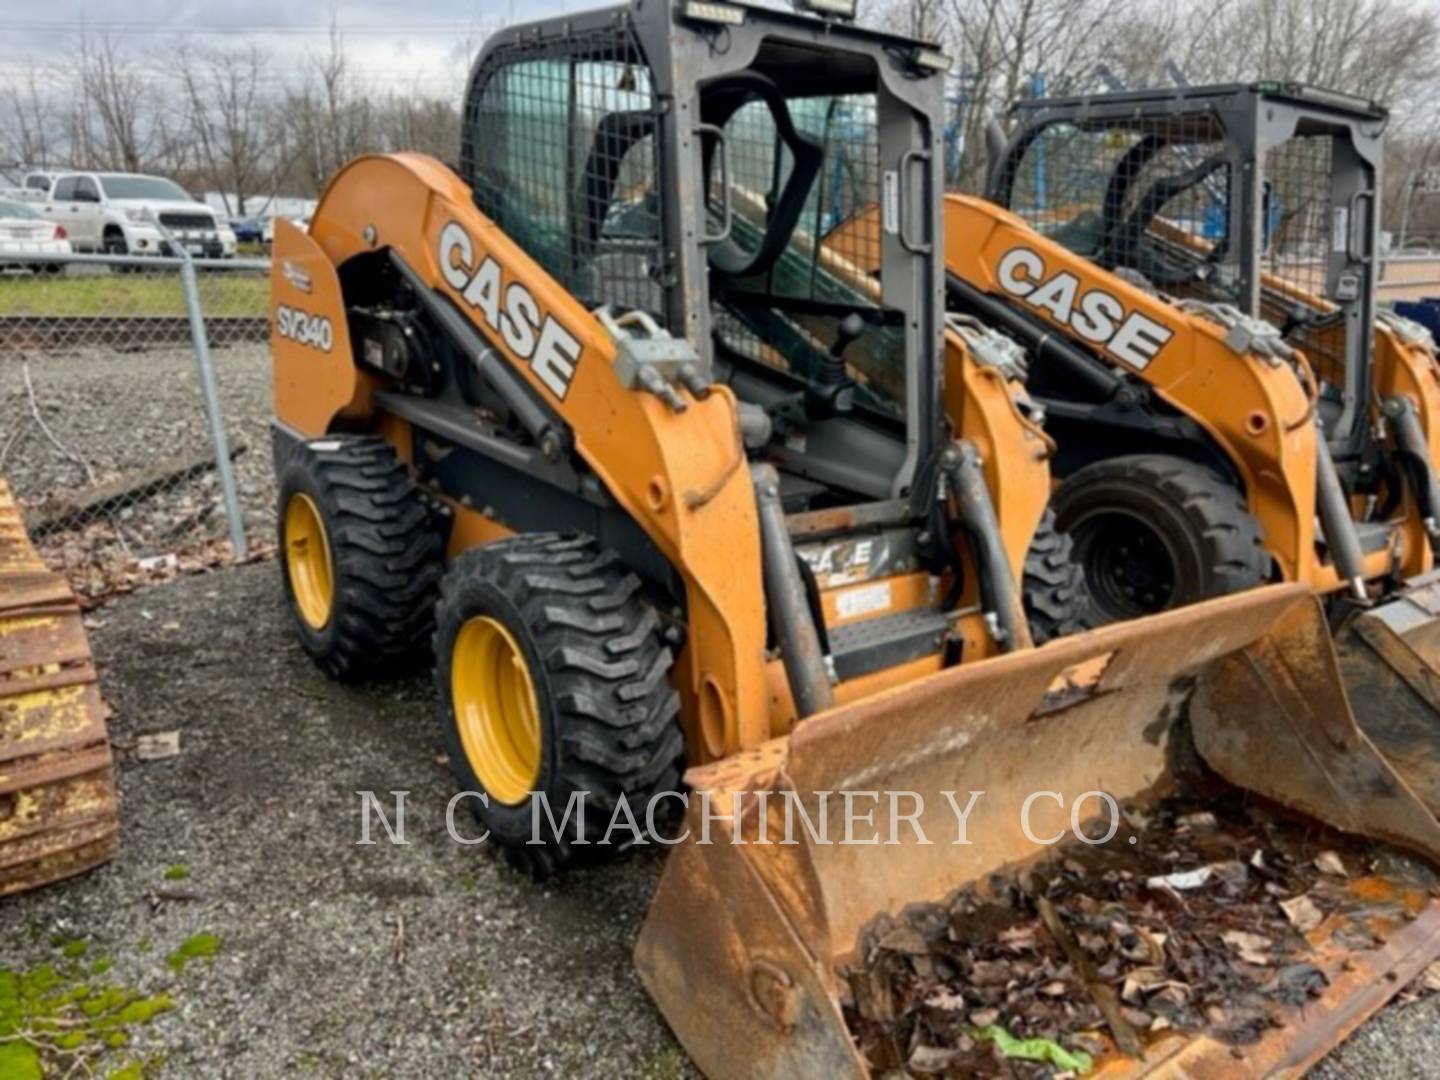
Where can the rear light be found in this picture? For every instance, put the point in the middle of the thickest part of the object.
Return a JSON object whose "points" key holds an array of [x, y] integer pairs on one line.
{"points": [[60, 233]]}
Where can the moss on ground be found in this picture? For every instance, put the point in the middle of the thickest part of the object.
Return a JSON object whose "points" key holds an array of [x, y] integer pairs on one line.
{"points": [[64, 1017], [667, 1064], [195, 947]]}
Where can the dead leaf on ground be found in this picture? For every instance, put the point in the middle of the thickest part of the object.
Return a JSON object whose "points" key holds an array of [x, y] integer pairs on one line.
{"points": [[1327, 862], [1429, 980], [1302, 913], [944, 999], [1251, 948], [1138, 981], [157, 746], [1018, 938], [930, 1059], [1231, 872], [904, 939]]}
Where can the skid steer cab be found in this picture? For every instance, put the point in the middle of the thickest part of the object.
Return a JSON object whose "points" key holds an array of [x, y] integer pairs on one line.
{"points": [[664, 479]]}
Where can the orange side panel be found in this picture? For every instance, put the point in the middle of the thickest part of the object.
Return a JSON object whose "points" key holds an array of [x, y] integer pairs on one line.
{"points": [[315, 375], [682, 477]]}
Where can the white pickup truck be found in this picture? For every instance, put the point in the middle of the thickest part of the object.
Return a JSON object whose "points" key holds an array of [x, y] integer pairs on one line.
{"points": [[117, 213]]}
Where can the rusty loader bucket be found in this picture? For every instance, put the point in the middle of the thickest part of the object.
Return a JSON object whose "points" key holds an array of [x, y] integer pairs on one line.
{"points": [[57, 777], [748, 932], [1390, 661]]}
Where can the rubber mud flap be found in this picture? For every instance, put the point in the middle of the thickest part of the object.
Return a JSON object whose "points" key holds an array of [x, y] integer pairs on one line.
{"points": [[744, 945], [57, 776]]}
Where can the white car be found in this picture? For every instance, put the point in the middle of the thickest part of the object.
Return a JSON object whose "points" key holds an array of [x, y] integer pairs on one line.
{"points": [[35, 188], [122, 214], [23, 231]]}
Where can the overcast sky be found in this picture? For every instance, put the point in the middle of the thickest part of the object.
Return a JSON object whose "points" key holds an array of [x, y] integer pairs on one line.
{"points": [[390, 43]]}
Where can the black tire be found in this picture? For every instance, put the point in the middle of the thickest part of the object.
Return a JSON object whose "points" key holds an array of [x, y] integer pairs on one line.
{"points": [[114, 243], [1153, 532], [599, 666], [386, 549], [1053, 588]]}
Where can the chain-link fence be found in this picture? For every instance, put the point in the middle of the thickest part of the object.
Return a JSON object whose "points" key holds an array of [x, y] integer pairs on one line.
{"points": [[105, 434]]}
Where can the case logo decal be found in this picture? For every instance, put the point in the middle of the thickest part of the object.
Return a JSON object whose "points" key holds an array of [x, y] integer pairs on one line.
{"points": [[1095, 315], [510, 311]]}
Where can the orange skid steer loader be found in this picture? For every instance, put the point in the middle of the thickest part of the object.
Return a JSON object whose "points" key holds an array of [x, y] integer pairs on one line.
{"points": [[1194, 271], [665, 485]]}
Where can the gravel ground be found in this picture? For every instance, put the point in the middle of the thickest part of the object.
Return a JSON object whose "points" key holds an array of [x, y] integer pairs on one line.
{"points": [[339, 959], [117, 413], [315, 974]]}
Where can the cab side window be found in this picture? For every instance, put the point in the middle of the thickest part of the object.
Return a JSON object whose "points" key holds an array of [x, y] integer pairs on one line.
{"points": [[560, 149], [65, 189], [86, 190]]}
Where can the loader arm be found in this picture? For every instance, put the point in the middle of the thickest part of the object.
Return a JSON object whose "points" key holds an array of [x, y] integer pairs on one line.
{"points": [[680, 476], [1181, 358]]}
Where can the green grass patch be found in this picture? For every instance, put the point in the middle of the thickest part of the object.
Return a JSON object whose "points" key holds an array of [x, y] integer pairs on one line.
{"points": [[154, 293], [668, 1064], [177, 872], [59, 1019], [195, 947]]}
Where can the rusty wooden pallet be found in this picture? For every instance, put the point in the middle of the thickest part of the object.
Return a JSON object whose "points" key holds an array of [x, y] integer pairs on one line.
{"points": [[58, 808]]}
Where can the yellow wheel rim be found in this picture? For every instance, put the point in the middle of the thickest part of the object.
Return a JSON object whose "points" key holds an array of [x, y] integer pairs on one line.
{"points": [[495, 709], [307, 559]]}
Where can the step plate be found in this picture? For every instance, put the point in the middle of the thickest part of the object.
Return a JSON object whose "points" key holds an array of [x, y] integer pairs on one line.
{"points": [[878, 644]]}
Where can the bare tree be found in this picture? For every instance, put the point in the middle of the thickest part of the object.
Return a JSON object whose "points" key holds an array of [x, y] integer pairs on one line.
{"points": [[1386, 50], [1006, 49], [31, 135], [234, 129], [119, 122], [413, 121]]}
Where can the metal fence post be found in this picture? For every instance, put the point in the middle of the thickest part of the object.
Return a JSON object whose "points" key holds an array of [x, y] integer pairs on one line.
{"points": [[212, 401]]}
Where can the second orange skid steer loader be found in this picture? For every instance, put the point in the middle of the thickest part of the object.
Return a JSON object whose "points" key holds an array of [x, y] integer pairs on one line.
{"points": [[664, 484], [1192, 271]]}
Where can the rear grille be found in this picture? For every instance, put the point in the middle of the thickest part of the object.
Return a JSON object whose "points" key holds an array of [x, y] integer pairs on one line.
{"points": [[188, 221]]}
